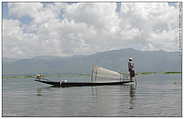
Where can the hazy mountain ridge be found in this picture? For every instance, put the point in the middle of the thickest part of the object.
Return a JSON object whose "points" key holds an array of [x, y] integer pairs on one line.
{"points": [[145, 61]]}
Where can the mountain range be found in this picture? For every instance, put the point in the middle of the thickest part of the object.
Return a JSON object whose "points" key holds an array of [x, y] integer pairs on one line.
{"points": [[145, 61]]}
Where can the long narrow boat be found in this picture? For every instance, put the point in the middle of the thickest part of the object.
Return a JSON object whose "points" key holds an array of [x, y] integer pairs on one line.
{"points": [[97, 74], [70, 84]]}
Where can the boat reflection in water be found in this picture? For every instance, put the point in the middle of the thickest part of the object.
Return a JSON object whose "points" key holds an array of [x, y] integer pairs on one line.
{"points": [[97, 100], [132, 96]]}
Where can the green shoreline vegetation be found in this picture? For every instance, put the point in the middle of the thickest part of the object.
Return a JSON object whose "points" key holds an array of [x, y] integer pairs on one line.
{"points": [[58, 75], [149, 73]]}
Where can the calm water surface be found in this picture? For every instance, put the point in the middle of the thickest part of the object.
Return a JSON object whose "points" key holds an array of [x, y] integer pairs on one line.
{"points": [[154, 95]]}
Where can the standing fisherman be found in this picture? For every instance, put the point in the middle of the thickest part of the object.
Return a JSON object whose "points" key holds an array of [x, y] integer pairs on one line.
{"points": [[131, 68]]}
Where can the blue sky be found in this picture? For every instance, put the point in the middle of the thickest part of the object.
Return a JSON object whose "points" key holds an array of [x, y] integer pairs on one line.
{"points": [[27, 19], [23, 19], [65, 29]]}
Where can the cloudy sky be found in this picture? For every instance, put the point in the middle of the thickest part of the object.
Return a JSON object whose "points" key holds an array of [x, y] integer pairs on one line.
{"points": [[65, 29]]}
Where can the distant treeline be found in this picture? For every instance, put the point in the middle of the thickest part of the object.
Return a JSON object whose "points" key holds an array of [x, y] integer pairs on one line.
{"points": [[45, 75], [148, 73], [60, 75]]}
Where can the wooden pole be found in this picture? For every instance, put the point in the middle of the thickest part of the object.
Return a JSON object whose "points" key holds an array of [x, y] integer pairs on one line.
{"points": [[95, 73], [92, 72]]}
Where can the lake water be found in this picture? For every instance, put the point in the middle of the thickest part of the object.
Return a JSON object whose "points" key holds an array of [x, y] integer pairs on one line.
{"points": [[154, 95]]}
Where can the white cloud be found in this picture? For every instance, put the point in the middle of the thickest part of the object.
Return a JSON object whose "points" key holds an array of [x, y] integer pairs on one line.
{"points": [[61, 29], [24, 9]]}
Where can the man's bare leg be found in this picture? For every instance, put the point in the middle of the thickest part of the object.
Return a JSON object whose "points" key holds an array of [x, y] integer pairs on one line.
{"points": [[130, 78]]}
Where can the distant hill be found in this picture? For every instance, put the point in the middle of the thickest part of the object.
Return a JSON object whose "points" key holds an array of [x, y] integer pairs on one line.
{"points": [[145, 61]]}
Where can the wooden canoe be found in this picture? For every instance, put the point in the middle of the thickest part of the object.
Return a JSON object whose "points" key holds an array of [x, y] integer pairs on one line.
{"points": [[69, 84]]}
